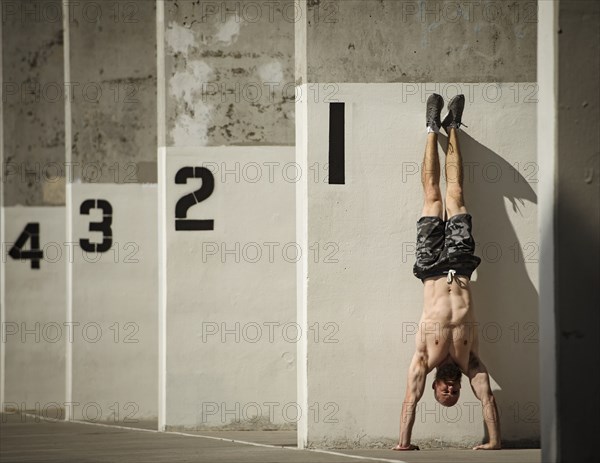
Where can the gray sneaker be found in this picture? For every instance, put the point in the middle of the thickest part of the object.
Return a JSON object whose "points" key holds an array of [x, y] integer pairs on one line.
{"points": [[435, 103], [453, 119]]}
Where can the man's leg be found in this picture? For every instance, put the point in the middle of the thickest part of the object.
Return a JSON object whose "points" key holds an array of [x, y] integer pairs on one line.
{"points": [[459, 245], [430, 170], [430, 178], [455, 203]]}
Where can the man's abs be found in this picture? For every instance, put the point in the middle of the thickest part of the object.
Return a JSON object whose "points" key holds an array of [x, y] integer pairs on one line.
{"points": [[447, 302], [448, 323]]}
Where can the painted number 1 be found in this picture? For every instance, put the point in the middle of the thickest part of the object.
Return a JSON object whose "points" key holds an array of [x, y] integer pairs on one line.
{"points": [[182, 223], [337, 144]]}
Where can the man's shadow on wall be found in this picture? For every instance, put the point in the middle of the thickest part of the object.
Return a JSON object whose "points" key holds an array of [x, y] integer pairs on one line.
{"points": [[505, 298]]}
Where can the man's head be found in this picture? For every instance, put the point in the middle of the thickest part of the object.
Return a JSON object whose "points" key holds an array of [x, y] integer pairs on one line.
{"points": [[446, 386]]}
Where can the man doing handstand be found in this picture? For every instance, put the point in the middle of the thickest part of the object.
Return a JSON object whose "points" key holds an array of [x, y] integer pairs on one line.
{"points": [[446, 337]]}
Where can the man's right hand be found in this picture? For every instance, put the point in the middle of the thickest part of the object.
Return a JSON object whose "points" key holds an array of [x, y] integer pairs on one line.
{"points": [[406, 447]]}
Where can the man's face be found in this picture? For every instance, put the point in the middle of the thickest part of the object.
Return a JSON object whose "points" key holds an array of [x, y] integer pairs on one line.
{"points": [[446, 392]]}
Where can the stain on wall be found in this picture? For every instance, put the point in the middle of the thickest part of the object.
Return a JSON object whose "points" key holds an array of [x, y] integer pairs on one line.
{"points": [[33, 99], [421, 41], [230, 73], [113, 73]]}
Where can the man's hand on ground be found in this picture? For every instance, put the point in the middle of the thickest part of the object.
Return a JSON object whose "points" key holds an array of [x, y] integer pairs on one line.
{"points": [[408, 447], [487, 446]]}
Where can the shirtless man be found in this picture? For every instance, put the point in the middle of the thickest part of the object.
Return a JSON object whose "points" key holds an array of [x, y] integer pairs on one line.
{"points": [[446, 338]]}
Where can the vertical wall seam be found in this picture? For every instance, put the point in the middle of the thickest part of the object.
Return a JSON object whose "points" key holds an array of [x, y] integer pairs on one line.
{"points": [[160, 74], [555, 438], [301, 109], [546, 155], [2, 240], [161, 202], [302, 267], [68, 211]]}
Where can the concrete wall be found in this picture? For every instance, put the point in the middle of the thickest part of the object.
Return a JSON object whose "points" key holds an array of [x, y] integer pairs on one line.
{"points": [[32, 296], [414, 41], [115, 304], [114, 91], [546, 121], [568, 154], [573, 187], [362, 291], [113, 295], [226, 78], [33, 100], [230, 331], [229, 69], [34, 330], [367, 292], [109, 95]]}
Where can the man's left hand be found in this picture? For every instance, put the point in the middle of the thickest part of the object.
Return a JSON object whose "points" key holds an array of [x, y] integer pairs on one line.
{"points": [[488, 446]]}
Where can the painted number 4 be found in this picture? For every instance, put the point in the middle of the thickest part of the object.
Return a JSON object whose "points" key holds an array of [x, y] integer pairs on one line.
{"points": [[31, 233]]}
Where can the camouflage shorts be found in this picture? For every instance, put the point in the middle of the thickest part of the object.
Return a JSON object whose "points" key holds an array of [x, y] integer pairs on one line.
{"points": [[442, 246]]}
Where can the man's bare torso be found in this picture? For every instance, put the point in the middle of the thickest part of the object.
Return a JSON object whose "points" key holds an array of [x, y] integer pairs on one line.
{"points": [[447, 329]]}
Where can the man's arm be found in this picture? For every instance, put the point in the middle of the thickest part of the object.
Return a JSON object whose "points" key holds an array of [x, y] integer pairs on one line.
{"points": [[480, 383], [417, 372]]}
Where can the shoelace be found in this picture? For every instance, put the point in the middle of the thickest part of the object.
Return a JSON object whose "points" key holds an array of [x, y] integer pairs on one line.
{"points": [[451, 274], [459, 124]]}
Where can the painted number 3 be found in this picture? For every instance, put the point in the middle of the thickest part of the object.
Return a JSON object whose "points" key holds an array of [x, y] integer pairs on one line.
{"points": [[182, 223], [31, 233], [103, 226]]}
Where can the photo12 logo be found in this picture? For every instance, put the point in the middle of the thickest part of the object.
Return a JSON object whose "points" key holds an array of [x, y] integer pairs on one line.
{"points": [[32, 12], [37, 412], [53, 332], [267, 11], [268, 331], [273, 412]]}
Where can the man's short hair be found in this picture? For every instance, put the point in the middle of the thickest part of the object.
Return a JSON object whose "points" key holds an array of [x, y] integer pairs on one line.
{"points": [[448, 372]]}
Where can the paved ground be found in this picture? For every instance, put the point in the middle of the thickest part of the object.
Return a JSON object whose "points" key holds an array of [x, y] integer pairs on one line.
{"points": [[25, 440]]}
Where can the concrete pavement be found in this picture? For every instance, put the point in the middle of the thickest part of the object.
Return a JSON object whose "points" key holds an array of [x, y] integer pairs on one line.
{"points": [[25, 439]]}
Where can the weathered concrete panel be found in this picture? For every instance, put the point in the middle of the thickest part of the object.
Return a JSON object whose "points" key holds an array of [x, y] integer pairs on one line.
{"points": [[417, 41], [33, 99], [113, 74], [229, 73]]}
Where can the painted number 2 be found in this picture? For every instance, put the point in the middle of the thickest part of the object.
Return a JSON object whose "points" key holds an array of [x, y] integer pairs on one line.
{"points": [[103, 226], [191, 199]]}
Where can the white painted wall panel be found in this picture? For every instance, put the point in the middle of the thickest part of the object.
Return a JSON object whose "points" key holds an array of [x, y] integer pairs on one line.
{"points": [[35, 313], [115, 304], [370, 294], [231, 330]]}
